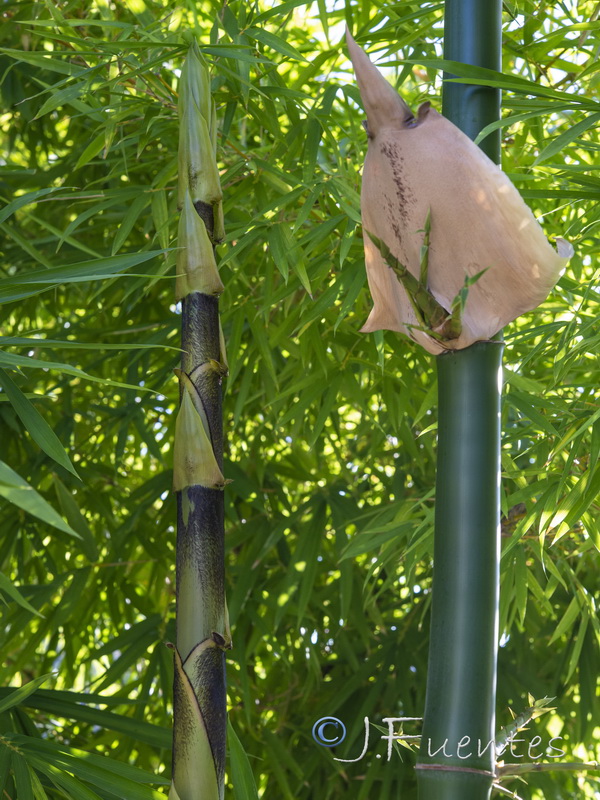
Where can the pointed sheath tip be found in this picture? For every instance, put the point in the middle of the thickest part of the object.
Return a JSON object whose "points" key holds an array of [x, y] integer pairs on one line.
{"points": [[194, 461], [195, 261], [383, 105]]}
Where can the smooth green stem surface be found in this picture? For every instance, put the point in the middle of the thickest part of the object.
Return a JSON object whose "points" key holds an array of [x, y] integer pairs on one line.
{"points": [[458, 730], [473, 35], [457, 759]]}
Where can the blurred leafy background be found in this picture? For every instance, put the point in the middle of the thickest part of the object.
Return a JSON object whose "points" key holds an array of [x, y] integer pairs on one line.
{"points": [[330, 433]]}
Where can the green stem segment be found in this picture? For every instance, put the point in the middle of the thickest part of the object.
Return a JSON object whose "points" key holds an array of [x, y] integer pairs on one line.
{"points": [[457, 759], [461, 683], [199, 704], [473, 35]]}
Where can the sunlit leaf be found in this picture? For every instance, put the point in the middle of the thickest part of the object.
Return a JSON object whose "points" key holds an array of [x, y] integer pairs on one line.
{"points": [[35, 424], [17, 491]]}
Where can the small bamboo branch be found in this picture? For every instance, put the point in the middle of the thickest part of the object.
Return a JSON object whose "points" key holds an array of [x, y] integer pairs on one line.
{"points": [[506, 792], [514, 770]]}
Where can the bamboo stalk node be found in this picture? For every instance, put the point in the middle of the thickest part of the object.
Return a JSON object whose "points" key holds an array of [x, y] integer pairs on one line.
{"points": [[222, 370], [223, 642], [451, 768]]}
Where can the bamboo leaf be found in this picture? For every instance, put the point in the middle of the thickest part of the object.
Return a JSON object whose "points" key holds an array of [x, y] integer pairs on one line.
{"points": [[280, 8], [370, 541], [160, 215], [307, 207], [83, 708], [91, 151], [75, 518], [577, 645], [279, 251], [35, 424], [481, 76], [129, 220], [567, 621], [11, 590], [326, 406], [17, 696], [63, 780], [106, 774], [61, 97], [17, 491], [526, 405], [275, 43], [521, 590], [23, 777], [43, 60], [311, 147], [13, 360], [68, 344], [349, 301], [565, 138], [5, 757], [37, 281], [244, 786], [306, 557], [25, 200]]}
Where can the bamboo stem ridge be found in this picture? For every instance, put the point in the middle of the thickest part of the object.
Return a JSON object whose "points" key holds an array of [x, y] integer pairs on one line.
{"points": [[199, 704]]}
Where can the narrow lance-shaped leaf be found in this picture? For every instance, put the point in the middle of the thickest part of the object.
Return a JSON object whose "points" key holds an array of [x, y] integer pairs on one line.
{"points": [[75, 518], [37, 426], [20, 694], [7, 586], [16, 490]]}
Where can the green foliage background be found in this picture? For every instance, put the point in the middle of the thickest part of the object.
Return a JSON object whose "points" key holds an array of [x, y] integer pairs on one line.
{"points": [[330, 433]]}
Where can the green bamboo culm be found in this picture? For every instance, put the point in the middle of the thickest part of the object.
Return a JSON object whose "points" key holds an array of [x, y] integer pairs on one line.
{"points": [[203, 636], [457, 759]]}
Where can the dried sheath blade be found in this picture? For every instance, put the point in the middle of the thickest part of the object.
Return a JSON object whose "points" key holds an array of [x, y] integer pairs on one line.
{"points": [[416, 165]]}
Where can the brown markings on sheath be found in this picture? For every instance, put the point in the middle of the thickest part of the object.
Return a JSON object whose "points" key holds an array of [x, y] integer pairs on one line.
{"points": [[404, 195], [391, 215]]}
